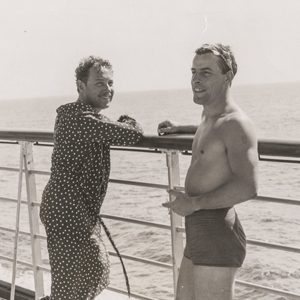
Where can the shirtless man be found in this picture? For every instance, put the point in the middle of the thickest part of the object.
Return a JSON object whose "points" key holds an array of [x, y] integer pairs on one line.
{"points": [[222, 173]]}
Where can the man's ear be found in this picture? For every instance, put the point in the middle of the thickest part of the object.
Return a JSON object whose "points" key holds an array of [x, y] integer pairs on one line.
{"points": [[229, 77], [80, 86]]}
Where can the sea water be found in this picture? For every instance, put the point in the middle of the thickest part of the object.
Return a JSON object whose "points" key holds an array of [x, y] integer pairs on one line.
{"points": [[274, 110]]}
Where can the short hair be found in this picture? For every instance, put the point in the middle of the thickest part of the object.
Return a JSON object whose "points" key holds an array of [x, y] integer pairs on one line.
{"points": [[83, 69], [226, 59]]}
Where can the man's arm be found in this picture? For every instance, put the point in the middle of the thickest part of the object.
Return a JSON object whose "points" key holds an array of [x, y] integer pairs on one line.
{"points": [[187, 129], [90, 127], [169, 127], [241, 147]]}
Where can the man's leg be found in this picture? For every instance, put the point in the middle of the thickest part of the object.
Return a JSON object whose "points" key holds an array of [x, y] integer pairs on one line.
{"points": [[185, 284], [213, 283]]}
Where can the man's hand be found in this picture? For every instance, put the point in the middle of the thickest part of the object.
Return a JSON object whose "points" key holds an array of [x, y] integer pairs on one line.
{"points": [[182, 205], [167, 127]]}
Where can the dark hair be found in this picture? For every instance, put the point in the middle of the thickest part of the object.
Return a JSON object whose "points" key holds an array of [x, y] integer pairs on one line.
{"points": [[226, 59], [83, 69]]}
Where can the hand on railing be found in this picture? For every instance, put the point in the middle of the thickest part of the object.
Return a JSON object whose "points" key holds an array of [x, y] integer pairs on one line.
{"points": [[167, 127]]}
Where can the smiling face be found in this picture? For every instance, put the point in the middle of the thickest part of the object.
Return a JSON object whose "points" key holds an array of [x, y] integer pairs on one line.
{"points": [[98, 90], [208, 82]]}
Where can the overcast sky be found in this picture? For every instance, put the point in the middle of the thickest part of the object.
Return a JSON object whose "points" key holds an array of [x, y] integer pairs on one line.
{"points": [[149, 42]]}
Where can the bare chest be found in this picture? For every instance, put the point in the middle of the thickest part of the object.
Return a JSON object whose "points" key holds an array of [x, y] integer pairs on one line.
{"points": [[208, 144]]}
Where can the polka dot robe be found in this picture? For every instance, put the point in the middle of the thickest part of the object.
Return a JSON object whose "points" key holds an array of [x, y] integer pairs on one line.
{"points": [[72, 199]]}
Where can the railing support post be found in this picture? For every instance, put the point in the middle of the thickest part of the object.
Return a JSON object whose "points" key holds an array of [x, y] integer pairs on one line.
{"points": [[33, 213], [14, 269], [176, 220]]}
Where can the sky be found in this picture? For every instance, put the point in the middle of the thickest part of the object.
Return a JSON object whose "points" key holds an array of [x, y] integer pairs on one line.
{"points": [[150, 43]]}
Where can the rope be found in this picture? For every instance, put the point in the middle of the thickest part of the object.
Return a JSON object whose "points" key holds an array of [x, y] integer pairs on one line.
{"points": [[118, 253]]}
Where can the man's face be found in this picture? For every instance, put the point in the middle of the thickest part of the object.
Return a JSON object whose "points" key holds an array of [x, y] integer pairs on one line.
{"points": [[98, 90], [208, 82]]}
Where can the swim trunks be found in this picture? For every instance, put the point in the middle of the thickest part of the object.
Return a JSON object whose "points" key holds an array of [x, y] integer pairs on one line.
{"points": [[215, 237]]}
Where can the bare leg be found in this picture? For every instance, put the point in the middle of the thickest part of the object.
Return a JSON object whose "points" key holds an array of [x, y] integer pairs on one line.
{"points": [[213, 283], [185, 284]]}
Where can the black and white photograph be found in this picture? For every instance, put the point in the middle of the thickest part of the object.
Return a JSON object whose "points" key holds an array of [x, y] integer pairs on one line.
{"points": [[150, 150]]}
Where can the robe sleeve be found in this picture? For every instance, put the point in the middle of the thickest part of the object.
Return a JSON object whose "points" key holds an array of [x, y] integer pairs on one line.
{"points": [[90, 127]]}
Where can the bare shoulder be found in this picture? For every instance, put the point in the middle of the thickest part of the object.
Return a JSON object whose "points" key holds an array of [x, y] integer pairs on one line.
{"points": [[237, 128]]}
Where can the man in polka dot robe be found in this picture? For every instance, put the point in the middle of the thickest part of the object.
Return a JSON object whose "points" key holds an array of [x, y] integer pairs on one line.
{"points": [[80, 169]]}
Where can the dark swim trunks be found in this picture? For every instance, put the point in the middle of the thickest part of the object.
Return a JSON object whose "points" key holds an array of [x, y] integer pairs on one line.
{"points": [[215, 238]]}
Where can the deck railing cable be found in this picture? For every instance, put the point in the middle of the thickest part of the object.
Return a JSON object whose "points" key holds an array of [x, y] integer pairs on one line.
{"points": [[274, 151]]}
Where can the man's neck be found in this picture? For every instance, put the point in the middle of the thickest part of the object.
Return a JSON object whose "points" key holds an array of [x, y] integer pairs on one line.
{"points": [[84, 101], [81, 100], [218, 107]]}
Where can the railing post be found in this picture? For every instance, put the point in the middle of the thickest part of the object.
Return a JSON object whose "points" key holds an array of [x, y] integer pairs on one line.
{"points": [[14, 269], [33, 213], [176, 220]]}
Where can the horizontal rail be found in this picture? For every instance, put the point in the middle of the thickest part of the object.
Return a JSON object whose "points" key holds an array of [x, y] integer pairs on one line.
{"points": [[278, 200], [26, 135], [279, 148], [12, 200], [9, 169], [21, 262], [12, 169], [173, 141], [135, 221], [164, 187], [261, 158], [273, 246], [14, 230], [9, 142], [43, 268], [39, 172], [36, 236], [139, 183], [40, 236], [268, 289], [279, 160], [143, 260], [136, 150]]}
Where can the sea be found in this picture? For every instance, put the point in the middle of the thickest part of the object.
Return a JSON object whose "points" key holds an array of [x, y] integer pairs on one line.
{"points": [[275, 111]]}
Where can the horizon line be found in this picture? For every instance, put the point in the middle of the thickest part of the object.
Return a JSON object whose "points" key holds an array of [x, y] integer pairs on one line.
{"points": [[148, 90]]}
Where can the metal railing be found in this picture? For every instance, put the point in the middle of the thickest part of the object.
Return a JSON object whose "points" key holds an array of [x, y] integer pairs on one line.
{"points": [[171, 146]]}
